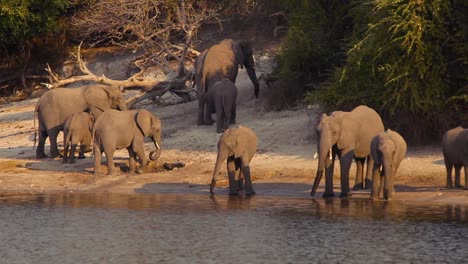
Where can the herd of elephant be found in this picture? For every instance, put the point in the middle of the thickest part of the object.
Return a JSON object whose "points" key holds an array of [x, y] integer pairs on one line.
{"points": [[99, 114]]}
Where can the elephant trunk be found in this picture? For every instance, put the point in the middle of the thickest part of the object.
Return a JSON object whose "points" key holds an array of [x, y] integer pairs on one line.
{"points": [[155, 154], [222, 155], [325, 153], [388, 178]]}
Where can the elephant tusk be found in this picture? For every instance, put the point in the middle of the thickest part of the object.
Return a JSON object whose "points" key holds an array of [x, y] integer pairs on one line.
{"points": [[315, 155], [157, 145], [330, 154]]}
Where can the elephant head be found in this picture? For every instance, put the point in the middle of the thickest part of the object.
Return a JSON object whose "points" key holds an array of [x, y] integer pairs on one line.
{"points": [[244, 57], [150, 126], [328, 134], [104, 97]]}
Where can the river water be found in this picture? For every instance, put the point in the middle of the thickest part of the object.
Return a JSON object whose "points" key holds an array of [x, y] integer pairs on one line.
{"points": [[182, 228]]}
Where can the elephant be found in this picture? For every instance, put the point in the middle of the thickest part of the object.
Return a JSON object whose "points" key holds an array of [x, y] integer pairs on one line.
{"points": [[388, 149], [56, 105], [237, 146], [221, 99], [77, 128], [125, 129], [348, 135], [455, 152], [218, 62]]}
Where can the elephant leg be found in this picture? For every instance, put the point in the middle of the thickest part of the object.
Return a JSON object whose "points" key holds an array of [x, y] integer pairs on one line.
{"points": [[140, 152], [72, 152], [97, 159], [231, 168], [83, 147], [201, 108], [240, 179], [232, 117], [466, 176], [457, 176], [66, 146], [368, 179], [358, 183], [345, 165], [448, 167], [131, 160], [329, 170], [219, 116], [110, 162], [40, 153], [208, 110], [376, 181], [249, 191], [53, 133]]}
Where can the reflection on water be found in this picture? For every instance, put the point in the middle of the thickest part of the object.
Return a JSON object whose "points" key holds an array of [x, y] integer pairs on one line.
{"points": [[175, 228]]}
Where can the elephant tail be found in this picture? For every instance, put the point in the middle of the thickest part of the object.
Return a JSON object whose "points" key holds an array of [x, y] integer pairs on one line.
{"points": [[36, 109]]}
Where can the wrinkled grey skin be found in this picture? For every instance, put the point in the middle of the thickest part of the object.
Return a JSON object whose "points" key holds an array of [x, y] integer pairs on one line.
{"points": [[56, 105], [348, 135], [455, 151], [388, 149], [237, 146], [116, 130], [221, 99], [218, 62]]}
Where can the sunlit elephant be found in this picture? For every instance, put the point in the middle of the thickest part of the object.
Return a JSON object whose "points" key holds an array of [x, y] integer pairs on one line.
{"points": [[125, 129], [455, 151], [237, 146], [388, 149], [56, 105], [221, 99], [348, 135], [218, 62], [77, 129]]}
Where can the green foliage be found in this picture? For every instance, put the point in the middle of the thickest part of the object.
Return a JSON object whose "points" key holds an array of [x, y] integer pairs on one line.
{"points": [[405, 57], [21, 20]]}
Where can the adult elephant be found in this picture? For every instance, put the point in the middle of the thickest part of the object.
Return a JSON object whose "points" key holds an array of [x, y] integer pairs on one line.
{"points": [[56, 105], [348, 135], [218, 62], [126, 129]]}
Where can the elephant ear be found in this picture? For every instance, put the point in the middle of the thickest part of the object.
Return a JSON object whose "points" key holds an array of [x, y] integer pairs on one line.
{"points": [[348, 130], [97, 96], [144, 122]]}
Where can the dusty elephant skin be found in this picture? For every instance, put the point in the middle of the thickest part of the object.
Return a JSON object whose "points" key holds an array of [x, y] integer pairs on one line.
{"points": [[221, 99], [455, 151], [348, 135], [237, 146], [388, 149], [116, 130], [77, 129], [56, 105], [218, 62]]}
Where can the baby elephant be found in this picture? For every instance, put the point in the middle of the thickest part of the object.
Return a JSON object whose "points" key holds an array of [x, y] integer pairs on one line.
{"points": [[125, 129], [77, 128], [455, 151], [387, 150], [237, 146], [221, 99]]}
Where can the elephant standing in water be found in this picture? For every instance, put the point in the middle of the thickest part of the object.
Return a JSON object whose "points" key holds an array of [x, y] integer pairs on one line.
{"points": [[125, 129], [218, 62], [221, 99], [56, 105], [237, 146], [348, 135], [388, 149], [455, 151]]}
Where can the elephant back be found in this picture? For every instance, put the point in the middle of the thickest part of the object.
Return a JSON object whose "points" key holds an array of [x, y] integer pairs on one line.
{"points": [[370, 124]]}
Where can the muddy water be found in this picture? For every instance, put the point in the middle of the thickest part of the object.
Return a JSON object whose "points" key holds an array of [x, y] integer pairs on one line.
{"points": [[171, 228]]}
